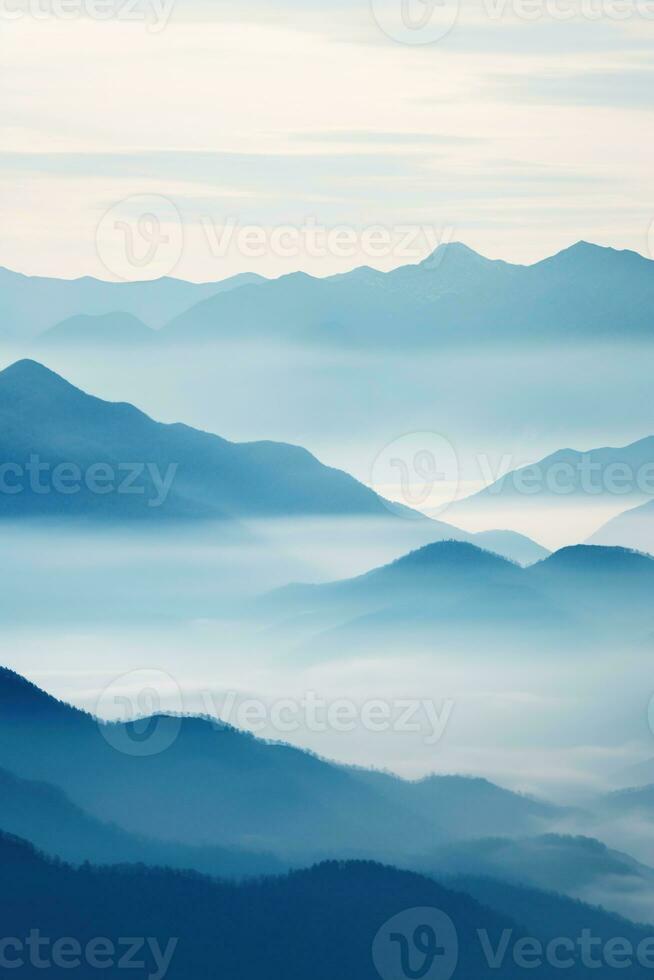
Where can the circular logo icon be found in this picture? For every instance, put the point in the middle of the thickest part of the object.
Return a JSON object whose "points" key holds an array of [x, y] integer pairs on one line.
{"points": [[417, 943], [415, 21], [140, 238], [142, 711], [419, 470]]}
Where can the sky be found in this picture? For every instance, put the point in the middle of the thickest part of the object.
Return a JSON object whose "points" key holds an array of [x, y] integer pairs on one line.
{"points": [[202, 139]]}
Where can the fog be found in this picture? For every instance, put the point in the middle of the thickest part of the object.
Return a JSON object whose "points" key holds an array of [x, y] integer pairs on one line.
{"points": [[123, 622], [83, 609], [497, 409]]}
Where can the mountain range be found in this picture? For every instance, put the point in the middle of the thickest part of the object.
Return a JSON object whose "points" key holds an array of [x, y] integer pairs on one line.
{"points": [[633, 528], [30, 305], [342, 919], [590, 485], [453, 591], [84, 330], [82, 790], [200, 474], [455, 296], [312, 807], [175, 472]]}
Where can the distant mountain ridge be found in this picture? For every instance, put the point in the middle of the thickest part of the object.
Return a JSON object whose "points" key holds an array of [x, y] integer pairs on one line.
{"points": [[43, 415], [43, 813], [455, 296], [30, 305], [453, 592], [180, 473], [633, 528], [312, 807], [336, 919], [571, 472], [581, 488], [107, 329]]}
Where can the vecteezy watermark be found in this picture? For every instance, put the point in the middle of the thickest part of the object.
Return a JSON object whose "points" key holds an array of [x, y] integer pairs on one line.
{"points": [[415, 22], [419, 470], [417, 943], [155, 14], [424, 943], [563, 952], [99, 953], [141, 713], [313, 239], [584, 474], [567, 10], [316, 714], [140, 237], [43, 478], [143, 709], [418, 22]]}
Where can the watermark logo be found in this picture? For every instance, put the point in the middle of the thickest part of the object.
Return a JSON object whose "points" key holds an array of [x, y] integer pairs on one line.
{"points": [[417, 944], [36, 476], [144, 708], [312, 239], [564, 11], [154, 14], [316, 714], [39, 952], [140, 237], [419, 470], [415, 22]]}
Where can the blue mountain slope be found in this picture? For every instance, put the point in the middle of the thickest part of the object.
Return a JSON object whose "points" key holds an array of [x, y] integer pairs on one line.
{"points": [[337, 919], [634, 528], [106, 330], [29, 305], [43, 415], [452, 592], [310, 807], [453, 297], [590, 477], [44, 815]]}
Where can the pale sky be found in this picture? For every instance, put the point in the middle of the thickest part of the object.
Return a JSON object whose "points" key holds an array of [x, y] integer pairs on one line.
{"points": [[515, 135]]}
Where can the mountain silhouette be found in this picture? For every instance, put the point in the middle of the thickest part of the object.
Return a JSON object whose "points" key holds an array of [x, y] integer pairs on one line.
{"points": [[44, 815], [106, 330], [453, 297], [548, 915], [321, 922], [594, 483], [330, 920], [43, 415], [580, 867], [634, 528], [180, 473], [30, 305], [312, 807], [454, 592]]}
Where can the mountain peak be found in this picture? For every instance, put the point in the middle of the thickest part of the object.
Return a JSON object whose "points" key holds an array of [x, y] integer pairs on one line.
{"points": [[453, 252], [451, 554], [598, 558], [29, 372], [585, 254]]}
